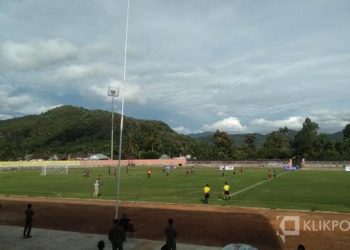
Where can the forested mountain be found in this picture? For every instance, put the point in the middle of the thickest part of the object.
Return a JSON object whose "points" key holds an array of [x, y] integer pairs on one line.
{"points": [[69, 131], [78, 132], [281, 144], [238, 139]]}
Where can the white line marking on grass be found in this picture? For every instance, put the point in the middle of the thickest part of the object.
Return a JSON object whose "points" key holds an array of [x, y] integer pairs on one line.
{"points": [[256, 184]]}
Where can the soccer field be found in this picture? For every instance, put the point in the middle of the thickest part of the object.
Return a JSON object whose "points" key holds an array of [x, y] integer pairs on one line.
{"points": [[306, 190]]}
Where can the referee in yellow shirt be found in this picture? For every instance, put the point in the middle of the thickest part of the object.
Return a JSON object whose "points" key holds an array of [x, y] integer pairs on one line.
{"points": [[226, 191], [206, 191]]}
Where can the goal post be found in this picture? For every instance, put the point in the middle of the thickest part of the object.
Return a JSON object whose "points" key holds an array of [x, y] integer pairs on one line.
{"points": [[58, 167], [43, 170]]}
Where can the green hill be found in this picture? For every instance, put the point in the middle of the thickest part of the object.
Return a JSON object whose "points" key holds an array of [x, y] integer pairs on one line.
{"points": [[69, 131], [238, 139], [335, 137], [78, 132]]}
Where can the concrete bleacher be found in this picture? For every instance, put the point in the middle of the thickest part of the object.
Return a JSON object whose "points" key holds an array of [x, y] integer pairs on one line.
{"points": [[43, 239]]}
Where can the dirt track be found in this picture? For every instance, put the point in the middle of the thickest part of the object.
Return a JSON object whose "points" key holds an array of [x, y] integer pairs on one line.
{"points": [[196, 224]]}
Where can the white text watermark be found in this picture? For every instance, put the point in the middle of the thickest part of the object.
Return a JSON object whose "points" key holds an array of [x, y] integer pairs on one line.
{"points": [[292, 225]]}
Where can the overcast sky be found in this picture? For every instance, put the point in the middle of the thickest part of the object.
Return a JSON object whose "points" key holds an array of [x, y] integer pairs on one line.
{"points": [[198, 65]]}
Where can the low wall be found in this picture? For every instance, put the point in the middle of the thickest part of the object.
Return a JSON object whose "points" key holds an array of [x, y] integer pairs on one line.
{"points": [[326, 164], [273, 164], [6, 164], [174, 162], [91, 163], [136, 162], [243, 164]]}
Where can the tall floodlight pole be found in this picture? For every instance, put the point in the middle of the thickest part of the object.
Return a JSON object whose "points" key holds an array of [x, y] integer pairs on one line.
{"points": [[114, 92], [122, 111]]}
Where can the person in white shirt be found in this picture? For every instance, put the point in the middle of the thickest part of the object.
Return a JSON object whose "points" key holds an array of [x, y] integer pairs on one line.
{"points": [[96, 187]]}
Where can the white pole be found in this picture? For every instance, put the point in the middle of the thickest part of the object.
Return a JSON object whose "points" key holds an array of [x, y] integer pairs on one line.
{"points": [[122, 111], [112, 129]]}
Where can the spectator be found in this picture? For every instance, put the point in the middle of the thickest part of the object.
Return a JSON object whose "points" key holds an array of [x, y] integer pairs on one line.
{"points": [[101, 245], [170, 234], [301, 247], [117, 236], [123, 222], [28, 221]]}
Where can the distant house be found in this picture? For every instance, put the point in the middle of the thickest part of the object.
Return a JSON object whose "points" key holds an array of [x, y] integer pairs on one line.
{"points": [[28, 157], [164, 156], [53, 158], [98, 157]]}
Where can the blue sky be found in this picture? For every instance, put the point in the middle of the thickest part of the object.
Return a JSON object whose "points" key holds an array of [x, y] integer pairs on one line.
{"points": [[238, 66]]}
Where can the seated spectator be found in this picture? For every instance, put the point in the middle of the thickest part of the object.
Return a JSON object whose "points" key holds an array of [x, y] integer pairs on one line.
{"points": [[301, 247], [123, 222], [101, 245], [130, 230]]}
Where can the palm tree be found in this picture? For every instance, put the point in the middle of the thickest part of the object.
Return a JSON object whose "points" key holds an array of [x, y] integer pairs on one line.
{"points": [[131, 146], [152, 139]]}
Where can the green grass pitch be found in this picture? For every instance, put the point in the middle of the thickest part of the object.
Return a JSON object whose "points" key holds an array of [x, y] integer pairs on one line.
{"points": [[306, 190]]}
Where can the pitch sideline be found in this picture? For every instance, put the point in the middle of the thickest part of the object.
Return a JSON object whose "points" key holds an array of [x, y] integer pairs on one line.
{"points": [[256, 184]]}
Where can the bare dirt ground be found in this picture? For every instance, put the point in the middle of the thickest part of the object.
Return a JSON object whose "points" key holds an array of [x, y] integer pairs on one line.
{"points": [[196, 224]]}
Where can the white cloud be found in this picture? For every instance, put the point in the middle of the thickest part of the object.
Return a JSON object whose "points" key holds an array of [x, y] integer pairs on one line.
{"points": [[220, 113], [80, 72], [331, 121], [23, 104], [214, 108], [10, 100], [97, 49], [132, 92], [195, 72], [294, 122], [182, 130], [5, 117], [230, 124], [327, 121], [73, 72], [36, 107], [36, 54], [43, 109]]}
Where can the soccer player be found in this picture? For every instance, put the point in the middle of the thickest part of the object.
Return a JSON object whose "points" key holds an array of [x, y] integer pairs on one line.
{"points": [[149, 172], [96, 188], [167, 170], [192, 170], [86, 173], [206, 191], [226, 191]]}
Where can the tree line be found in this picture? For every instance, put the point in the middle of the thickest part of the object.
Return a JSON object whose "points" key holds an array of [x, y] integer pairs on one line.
{"points": [[308, 143], [71, 132]]}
